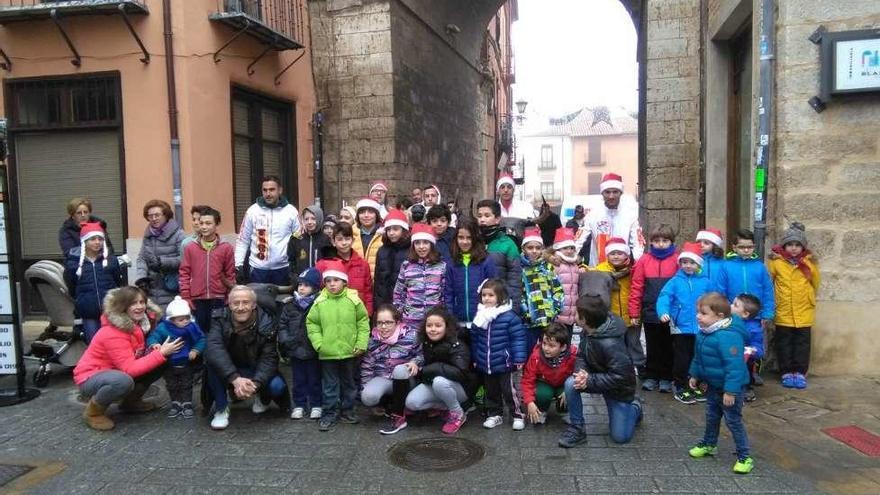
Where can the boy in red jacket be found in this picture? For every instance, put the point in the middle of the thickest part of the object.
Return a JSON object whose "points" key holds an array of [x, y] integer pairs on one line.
{"points": [[356, 267], [543, 380], [207, 269]]}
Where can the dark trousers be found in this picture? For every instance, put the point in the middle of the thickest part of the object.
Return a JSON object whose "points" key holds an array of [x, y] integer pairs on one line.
{"points": [[683, 353], [533, 336], [275, 390], [500, 390], [715, 410], [792, 349], [306, 382], [204, 308], [179, 382], [658, 341], [338, 388], [278, 276]]}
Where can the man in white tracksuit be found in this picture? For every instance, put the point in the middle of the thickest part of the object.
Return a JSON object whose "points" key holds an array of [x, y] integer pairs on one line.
{"points": [[514, 213], [609, 221]]}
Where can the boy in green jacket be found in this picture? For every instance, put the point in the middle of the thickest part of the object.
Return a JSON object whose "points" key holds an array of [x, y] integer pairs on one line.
{"points": [[338, 327]]}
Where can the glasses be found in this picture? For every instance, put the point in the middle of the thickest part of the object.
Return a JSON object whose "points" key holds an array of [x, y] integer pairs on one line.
{"points": [[153, 216], [745, 247], [386, 323]]}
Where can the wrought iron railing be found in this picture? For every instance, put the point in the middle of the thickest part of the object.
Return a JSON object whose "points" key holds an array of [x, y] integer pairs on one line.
{"points": [[77, 3], [282, 16]]}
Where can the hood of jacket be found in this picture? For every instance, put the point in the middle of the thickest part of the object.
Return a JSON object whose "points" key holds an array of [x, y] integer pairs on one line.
{"points": [[168, 230], [613, 327], [124, 322], [319, 216], [282, 202]]}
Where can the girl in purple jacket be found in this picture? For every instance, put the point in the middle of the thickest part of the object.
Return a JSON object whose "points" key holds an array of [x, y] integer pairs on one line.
{"points": [[422, 278]]}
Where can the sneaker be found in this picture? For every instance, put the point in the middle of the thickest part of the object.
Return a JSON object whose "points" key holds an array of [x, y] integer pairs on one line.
{"points": [[519, 424], [685, 396], [572, 436], [699, 395], [221, 420], [650, 384], [315, 413], [349, 418], [749, 395], [665, 386], [788, 380], [259, 407], [799, 381], [297, 413], [756, 377], [395, 423], [454, 421], [744, 465], [187, 411], [702, 450], [175, 410], [492, 421], [326, 424]]}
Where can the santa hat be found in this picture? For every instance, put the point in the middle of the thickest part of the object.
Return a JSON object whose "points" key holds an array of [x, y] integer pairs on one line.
{"points": [[396, 218], [369, 203], [439, 196], [380, 186], [693, 252], [423, 232], [611, 181], [616, 244], [505, 179], [712, 235], [351, 210], [86, 232], [564, 238], [177, 307], [334, 268], [532, 234]]}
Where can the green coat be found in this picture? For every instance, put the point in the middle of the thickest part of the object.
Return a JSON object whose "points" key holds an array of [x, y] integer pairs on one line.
{"points": [[338, 324]]}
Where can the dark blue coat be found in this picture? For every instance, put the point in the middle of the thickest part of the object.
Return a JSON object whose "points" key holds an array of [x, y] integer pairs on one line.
{"points": [[502, 346], [718, 357], [444, 245], [460, 294], [388, 261], [93, 283]]}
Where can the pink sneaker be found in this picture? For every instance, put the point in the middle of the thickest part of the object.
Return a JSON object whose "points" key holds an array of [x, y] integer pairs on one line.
{"points": [[453, 423]]}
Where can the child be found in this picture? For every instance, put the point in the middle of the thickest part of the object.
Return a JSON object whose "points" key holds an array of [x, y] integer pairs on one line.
{"points": [[338, 326], [439, 218], [329, 223], [604, 367], [619, 264], [293, 342], [747, 307], [649, 275], [743, 272], [393, 357], [178, 375], [446, 377], [469, 268], [90, 273], [543, 380], [392, 254], [422, 278], [567, 271], [347, 214], [359, 278], [207, 269], [305, 247], [718, 361], [498, 347], [196, 214], [712, 245], [368, 231], [795, 275], [677, 306], [542, 294], [501, 248]]}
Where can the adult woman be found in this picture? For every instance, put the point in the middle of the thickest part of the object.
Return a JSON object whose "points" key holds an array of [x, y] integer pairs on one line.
{"points": [[159, 259], [116, 365], [79, 211]]}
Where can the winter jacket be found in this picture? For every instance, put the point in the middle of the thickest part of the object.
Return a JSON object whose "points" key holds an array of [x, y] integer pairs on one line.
{"points": [[118, 345], [506, 257], [620, 293], [603, 353], [538, 369], [718, 357], [451, 359], [501, 346], [304, 248], [649, 275], [381, 358], [748, 276], [542, 295], [359, 277], [795, 296], [338, 324], [166, 247], [463, 278], [444, 245], [756, 336], [371, 250], [678, 299], [293, 336], [266, 231], [419, 288], [68, 234], [389, 259], [93, 283], [191, 335], [712, 266], [227, 351], [568, 274], [205, 274]]}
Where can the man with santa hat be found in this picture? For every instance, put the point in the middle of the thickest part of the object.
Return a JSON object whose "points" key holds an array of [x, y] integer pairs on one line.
{"points": [[609, 220], [378, 193], [514, 213]]}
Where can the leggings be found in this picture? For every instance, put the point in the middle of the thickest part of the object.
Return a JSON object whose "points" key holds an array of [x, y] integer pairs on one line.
{"points": [[379, 386], [442, 393]]}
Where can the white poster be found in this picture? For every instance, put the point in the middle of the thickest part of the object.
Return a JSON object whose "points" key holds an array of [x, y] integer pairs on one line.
{"points": [[7, 350], [857, 65], [5, 290], [2, 230]]}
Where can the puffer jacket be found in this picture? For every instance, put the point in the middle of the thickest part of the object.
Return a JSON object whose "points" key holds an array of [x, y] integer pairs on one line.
{"points": [[165, 246], [756, 336], [501, 346], [463, 278], [568, 276], [444, 244], [542, 295], [678, 299], [603, 353], [538, 369], [359, 277], [266, 229], [389, 259], [620, 292], [192, 336], [718, 357], [338, 324], [68, 234], [93, 283], [712, 266], [371, 250], [649, 275], [451, 359], [256, 348], [795, 296], [381, 358], [207, 274], [419, 288], [748, 276], [304, 248], [506, 257], [293, 336]]}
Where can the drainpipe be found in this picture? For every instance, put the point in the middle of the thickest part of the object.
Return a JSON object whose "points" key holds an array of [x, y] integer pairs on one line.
{"points": [[172, 112], [765, 119], [318, 154]]}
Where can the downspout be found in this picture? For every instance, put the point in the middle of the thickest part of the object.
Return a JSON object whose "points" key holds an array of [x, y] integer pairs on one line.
{"points": [[765, 119], [172, 112]]}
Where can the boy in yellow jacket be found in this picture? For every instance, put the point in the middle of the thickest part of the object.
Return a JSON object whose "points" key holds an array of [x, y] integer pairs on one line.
{"points": [[618, 263]]}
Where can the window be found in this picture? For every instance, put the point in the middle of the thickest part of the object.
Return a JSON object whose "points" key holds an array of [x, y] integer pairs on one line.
{"points": [[594, 181], [547, 157], [594, 151], [55, 103], [548, 191]]}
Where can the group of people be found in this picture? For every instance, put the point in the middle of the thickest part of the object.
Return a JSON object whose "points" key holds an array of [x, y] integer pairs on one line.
{"points": [[420, 308]]}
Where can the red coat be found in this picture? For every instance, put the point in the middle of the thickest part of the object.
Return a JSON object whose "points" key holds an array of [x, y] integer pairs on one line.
{"points": [[359, 278], [649, 275], [202, 273], [537, 369], [114, 348]]}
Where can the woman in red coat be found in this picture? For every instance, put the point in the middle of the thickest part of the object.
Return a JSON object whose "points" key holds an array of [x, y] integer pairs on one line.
{"points": [[117, 366]]}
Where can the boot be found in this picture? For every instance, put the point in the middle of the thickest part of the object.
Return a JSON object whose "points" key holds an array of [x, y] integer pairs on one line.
{"points": [[134, 402], [95, 417]]}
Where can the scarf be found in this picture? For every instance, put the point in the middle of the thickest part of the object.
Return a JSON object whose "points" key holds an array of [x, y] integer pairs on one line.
{"points": [[568, 259], [718, 325], [486, 315], [391, 339], [157, 232], [798, 261], [662, 254], [556, 361], [305, 301], [489, 231], [622, 271]]}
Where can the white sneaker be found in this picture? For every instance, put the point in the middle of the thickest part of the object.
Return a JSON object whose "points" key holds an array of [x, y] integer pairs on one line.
{"points": [[492, 421], [316, 413], [297, 413], [221, 420], [259, 407], [519, 424]]}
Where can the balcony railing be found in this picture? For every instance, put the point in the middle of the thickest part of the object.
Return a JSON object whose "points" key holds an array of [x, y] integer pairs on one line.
{"points": [[277, 23], [23, 10]]}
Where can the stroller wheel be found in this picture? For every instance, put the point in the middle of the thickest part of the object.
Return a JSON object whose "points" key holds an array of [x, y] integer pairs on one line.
{"points": [[41, 377]]}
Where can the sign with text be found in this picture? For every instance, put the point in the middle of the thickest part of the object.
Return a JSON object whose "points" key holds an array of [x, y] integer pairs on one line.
{"points": [[6, 308], [7, 350], [857, 65]]}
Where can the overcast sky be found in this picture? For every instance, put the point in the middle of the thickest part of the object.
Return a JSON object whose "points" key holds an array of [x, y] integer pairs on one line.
{"points": [[574, 53]]}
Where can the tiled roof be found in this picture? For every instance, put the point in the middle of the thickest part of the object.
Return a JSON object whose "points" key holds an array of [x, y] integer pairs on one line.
{"points": [[591, 121]]}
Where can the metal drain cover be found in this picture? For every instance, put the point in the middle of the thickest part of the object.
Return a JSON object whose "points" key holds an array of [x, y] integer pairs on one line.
{"points": [[438, 454], [9, 472]]}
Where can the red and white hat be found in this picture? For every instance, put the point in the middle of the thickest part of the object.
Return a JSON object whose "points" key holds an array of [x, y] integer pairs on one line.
{"points": [[712, 235], [423, 232], [380, 186], [369, 203], [564, 238], [396, 218], [616, 244], [532, 234], [505, 179], [86, 232], [693, 252], [611, 181], [334, 268]]}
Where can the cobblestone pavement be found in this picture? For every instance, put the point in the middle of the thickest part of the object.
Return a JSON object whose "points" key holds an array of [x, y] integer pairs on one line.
{"points": [[272, 454]]}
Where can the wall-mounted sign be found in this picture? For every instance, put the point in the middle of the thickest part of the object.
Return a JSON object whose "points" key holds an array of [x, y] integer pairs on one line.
{"points": [[7, 350], [850, 64]]}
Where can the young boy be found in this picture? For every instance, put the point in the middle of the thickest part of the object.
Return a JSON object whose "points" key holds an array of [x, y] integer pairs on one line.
{"points": [[360, 277], [502, 250], [743, 272], [718, 361], [305, 247], [619, 264], [543, 380], [338, 327], [747, 307], [293, 342], [439, 218], [542, 294]]}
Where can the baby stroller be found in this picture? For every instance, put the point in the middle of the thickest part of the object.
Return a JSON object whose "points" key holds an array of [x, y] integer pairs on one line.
{"points": [[54, 347]]}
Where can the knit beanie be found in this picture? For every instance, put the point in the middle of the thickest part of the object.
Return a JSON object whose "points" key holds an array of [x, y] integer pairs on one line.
{"points": [[177, 307], [86, 232], [311, 277], [796, 232]]}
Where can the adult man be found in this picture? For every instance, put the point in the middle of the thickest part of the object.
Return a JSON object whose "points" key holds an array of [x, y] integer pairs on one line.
{"points": [[577, 221], [609, 220], [431, 197], [266, 230], [378, 192], [241, 354], [416, 195], [515, 214]]}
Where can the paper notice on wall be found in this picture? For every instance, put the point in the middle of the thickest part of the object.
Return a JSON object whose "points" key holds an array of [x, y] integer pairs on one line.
{"points": [[2, 231], [7, 350], [5, 290]]}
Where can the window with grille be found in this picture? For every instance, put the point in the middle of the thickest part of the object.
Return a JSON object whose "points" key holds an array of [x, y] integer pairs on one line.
{"points": [[53, 103], [594, 181], [548, 191], [594, 151], [547, 157]]}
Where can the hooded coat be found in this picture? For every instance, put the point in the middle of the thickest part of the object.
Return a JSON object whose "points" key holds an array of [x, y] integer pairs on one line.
{"points": [[506, 257], [371, 250], [166, 247], [304, 248], [388, 262], [226, 350], [679, 296], [338, 324], [451, 359], [266, 230], [748, 276], [604, 355], [462, 281], [68, 234], [718, 357], [620, 292], [93, 283], [359, 277], [501, 346], [794, 293], [418, 289]]}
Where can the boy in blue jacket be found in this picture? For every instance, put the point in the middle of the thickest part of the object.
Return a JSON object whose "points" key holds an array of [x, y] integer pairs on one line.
{"points": [[747, 307], [718, 361], [743, 272]]}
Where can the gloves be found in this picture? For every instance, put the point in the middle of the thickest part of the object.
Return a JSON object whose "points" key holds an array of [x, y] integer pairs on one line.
{"points": [[152, 261]]}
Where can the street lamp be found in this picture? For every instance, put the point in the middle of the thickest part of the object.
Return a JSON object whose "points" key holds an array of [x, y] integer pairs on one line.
{"points": [[521, 109]]}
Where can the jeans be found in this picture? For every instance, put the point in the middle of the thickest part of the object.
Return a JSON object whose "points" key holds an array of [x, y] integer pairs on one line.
{"points": [[792, 349], [338, 388], [623, 416], [90, 328], [278, 276], [204, 308], [107, 387], [306, 382], [732, 417], [275, 390]]}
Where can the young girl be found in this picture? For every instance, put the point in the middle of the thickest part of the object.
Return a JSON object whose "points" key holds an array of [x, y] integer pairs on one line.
{"points": [[347, 214], [619, 264], [712, 245], [567, 270], [392, 254], [368, 231], [470, 267], [542, 294], [446, 380], [293, 343], [498, 340], [422, 278], [393, 357]]}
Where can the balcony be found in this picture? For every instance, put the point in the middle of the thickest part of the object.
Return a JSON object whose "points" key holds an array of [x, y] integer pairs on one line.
{"points": [[26, 10], [276, 23]]}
